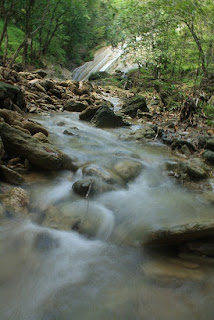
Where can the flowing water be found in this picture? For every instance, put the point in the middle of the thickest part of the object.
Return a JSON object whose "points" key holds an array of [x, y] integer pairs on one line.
{"points": [[107, 275]]}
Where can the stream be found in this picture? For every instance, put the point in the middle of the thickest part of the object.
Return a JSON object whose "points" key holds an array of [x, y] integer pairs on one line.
{"points": [[104, 274]]}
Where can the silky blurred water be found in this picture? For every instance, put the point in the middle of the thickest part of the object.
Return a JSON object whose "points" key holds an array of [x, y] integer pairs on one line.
{"points": [[72, 276]]}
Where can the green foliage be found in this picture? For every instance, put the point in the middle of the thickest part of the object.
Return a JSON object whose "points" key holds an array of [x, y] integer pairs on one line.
{"points": [[209, 110], [15, 37]]}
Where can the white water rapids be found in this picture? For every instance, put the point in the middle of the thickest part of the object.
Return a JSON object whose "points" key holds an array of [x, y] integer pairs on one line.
{"points": [[101, 277]]}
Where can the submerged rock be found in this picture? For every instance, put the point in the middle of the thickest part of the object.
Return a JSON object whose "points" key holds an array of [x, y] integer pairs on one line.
{"points": [[180, 234], [89, 187], [15, 200], [127, 169]]}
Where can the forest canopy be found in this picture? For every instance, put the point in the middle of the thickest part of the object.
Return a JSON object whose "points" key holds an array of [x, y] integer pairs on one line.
{"points": [[169, 36]]}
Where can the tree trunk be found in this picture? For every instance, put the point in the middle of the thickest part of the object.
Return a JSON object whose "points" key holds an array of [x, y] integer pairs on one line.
{"points": [[5, 49], [200, 49]]}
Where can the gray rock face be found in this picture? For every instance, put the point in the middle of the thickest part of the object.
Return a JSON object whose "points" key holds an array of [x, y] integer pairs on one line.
{"points": [[137, 102], [42, 155], [106, 118], [181, 234]]}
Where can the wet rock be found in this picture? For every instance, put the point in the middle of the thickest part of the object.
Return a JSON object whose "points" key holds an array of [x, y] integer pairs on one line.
{"points": [[15, 200], [171, 271], [69, 163], [34, 128], [209, 156], [210, 144], [185, 150], [89, 187], [201, 247], [11, 176], [45, 242], [176, 235], [209, 196], [75, 106], [106, 118], [127, 169], [135, 103], [21, 144], [95, 171], [41, 137], [89, 112]]}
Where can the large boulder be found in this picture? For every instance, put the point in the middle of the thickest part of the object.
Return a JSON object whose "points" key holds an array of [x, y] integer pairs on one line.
{"points": [[89, 112], [180, 234], [11, 95], [42, 155], [127, 169], [106, 118], [134, 104]]}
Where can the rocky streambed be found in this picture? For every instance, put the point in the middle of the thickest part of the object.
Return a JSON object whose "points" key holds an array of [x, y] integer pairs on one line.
{"points": [[100, 219]]}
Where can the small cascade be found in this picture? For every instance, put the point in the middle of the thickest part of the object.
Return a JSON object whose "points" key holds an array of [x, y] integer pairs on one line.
{"points": [[104, 59]]}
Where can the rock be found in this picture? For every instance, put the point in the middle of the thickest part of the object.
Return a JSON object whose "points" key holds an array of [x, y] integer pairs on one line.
{"points": [[75, 106], [69, 163], [201, 247], [40, 72], [202, 140], [180, 143], [194, 168], [127, 169], [34, 128], [42, 155], [14, 93], [44, 242], [106, 118], [15, 200], [1, 150], [9, 116], [146, 132], [89, 112], [41, 137], [76, 216], [135, 103], [47, 84], [209, 156], [180, 234], [210, 144], [89, 187], [146, 115], [209, 196], [11, 176], [82, 88], [172, 271], [185, 150], [95, 171]]}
